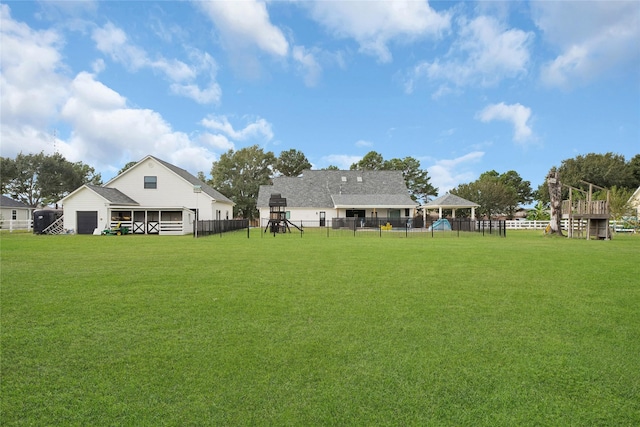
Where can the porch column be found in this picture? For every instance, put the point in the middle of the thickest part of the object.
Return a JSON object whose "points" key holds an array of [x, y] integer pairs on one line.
{"points": [[440, 212], [473, 212], [453, 213]]}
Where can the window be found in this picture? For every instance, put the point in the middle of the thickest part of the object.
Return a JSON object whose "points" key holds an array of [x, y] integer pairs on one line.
{"points": [[171, 216], [406, 212], [14, 214], [150, 182]]}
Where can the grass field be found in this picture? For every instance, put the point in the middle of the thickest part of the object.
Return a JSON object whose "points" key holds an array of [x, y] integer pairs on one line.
{"points": [[154, 330]]}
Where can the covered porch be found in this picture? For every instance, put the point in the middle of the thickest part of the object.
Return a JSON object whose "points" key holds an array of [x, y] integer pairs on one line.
{"points": [[449, 202], [151, 220]]}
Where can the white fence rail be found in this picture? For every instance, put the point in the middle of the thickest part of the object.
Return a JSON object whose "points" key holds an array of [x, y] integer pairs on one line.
{"points": [[541, 225], [528, 225], [16, 224]]}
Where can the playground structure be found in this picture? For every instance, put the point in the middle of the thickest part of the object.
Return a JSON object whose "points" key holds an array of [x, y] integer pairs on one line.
{"points": [[587, 217], [440, 225], [278, 222]]}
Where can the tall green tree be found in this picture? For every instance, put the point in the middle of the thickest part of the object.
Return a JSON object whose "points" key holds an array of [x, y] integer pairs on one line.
{"points": [[129, 165], [619, 202], [39, 179], [416, 179], [494, 196], [372, 161], [539, 212], [634, 166], [292, 162], [239, 175], [604, 170]]}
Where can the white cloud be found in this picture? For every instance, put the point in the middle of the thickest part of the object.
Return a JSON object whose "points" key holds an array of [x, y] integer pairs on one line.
{"points": [[446, 174], [246, 23], [308, 64], [342, 161], [211, 94], [106, 131], [593, 38], [517, 114], [485, 53], [259, 129], [219, 143], [32, 80], [363, 143], [113, 41], [375, 24]]}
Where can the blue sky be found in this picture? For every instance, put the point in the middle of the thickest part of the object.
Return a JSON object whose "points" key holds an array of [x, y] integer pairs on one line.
{"points": [[464, 87]]}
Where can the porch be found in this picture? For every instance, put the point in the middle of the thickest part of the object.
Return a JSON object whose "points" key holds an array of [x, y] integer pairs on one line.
{"points": [[153, 220]]}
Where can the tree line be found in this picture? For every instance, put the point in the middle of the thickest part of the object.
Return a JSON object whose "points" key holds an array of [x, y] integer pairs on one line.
{"points": [[39, 179]]}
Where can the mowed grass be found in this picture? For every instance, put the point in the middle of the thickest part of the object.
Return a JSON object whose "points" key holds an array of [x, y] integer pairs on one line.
{"points": [[155, 330]]}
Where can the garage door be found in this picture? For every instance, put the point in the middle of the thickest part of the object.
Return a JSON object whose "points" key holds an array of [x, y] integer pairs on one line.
{"points": [[87, 221]]}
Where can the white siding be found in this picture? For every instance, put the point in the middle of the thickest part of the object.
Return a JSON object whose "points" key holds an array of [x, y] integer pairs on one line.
{"points": [[22, 214], [172, 190], [85, 200]]}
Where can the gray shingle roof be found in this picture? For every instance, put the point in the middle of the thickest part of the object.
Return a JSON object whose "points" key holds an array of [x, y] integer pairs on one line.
{"points": [[8, 202], [322, 188], [195, 181], [450, 201], [113, 195]]}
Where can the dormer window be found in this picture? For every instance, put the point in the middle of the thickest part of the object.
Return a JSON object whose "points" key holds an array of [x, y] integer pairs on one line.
{"points": [[150, 182]]}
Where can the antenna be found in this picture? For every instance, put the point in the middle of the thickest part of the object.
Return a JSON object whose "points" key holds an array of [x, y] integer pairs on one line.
{"points": [[55, 141]]}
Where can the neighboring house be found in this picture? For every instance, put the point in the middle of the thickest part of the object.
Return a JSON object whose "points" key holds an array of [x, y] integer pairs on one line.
{"points": [[450, 202], [634, 202], [151, 197], [14, 214], [319, 195]]}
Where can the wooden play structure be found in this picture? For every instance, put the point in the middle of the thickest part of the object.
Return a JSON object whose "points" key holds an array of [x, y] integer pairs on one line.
{"points": [[278, 222], [587, 218]]}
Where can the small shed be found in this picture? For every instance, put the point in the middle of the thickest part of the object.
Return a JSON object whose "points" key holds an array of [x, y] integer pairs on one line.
{"points": [[450, 201]]}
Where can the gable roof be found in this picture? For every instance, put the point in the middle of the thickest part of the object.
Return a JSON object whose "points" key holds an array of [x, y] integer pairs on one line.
{"points": [[340, 188], [112, 195], [182, 173], [450, 201], [8, 202]]}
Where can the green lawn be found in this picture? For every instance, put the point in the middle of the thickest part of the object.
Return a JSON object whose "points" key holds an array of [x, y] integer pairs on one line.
{"points": [[469, 330]]}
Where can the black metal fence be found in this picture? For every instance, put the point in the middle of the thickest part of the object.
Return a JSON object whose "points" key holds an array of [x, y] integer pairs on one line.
{"points": [[389, 227], [209, 227]]}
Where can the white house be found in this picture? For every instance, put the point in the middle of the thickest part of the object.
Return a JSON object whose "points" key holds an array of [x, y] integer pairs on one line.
{"points": [[320, 195], [151, 197], [14, 214]]}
